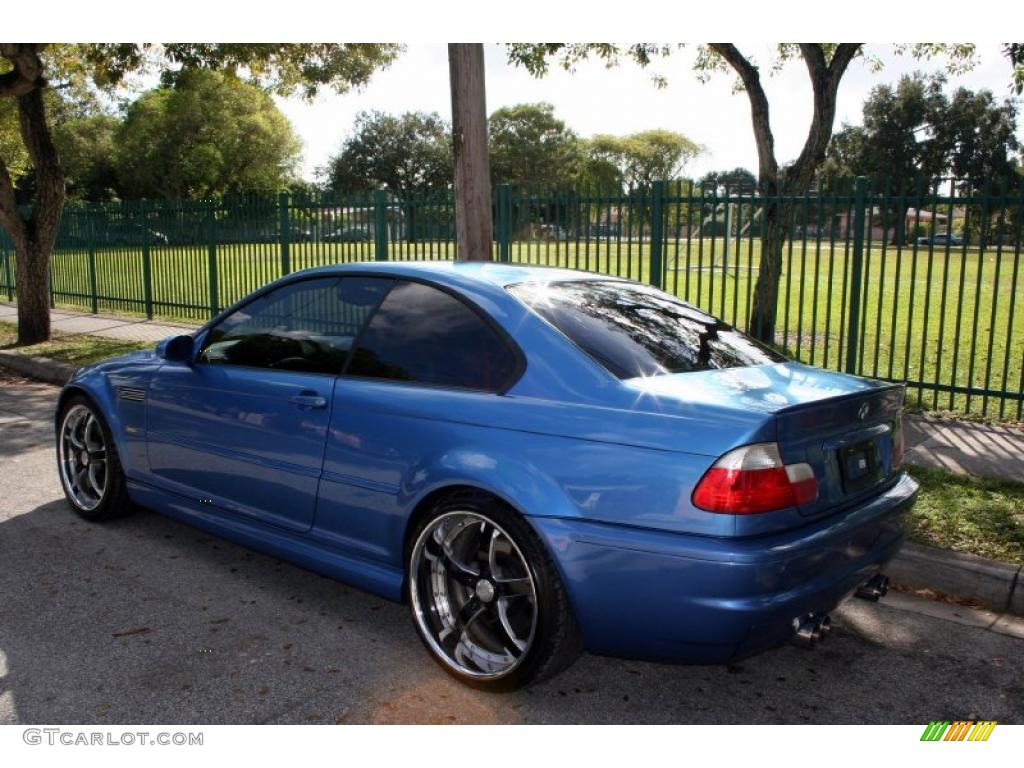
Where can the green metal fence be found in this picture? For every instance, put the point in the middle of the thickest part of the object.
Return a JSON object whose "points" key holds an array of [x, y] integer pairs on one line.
{"points": [[916, 283]]}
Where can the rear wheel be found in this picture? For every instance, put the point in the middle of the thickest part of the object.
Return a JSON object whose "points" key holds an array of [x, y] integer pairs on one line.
{"points": [[88, 464], [486, 598]]}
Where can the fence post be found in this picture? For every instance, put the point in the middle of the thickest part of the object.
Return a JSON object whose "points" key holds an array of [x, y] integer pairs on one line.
{"points": [[504, 223], [657, 232], [856, 270], [380, 224], [93, 288], [7, 275], [283, 205], [211, 257], [147, 266]]}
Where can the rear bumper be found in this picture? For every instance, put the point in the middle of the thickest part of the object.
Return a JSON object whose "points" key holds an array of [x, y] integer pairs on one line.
{"points": [[665, 596]]}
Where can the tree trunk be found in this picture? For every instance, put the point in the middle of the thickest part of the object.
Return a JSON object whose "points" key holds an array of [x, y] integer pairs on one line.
{"points": [[32, 279], [473, 217], [33, 235], [825, 78], [766, 291]]}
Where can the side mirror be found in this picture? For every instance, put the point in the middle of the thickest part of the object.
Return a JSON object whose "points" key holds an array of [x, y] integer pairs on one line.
{"points": [[176, 349]]}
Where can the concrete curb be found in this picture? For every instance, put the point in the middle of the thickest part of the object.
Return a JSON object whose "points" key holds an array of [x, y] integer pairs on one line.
{"points": [[996, 584], [991, 582], [39, 368]]}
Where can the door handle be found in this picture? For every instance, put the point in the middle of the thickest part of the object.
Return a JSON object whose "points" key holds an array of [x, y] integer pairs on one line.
{"points": [[308, 399]]}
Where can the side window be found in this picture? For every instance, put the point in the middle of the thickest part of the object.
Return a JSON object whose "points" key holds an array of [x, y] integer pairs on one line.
{"points": [[307, 326], [424, 335]]}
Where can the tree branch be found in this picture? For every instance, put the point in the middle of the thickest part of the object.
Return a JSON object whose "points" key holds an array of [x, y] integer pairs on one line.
{"points": [[26, 72], [825, 79], [845, 53], [25, 83], [13, 84], [768, 166]]}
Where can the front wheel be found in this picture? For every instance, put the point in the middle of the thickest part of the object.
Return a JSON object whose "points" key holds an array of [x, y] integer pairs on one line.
{"points": [[88, 464], [486, 598]]}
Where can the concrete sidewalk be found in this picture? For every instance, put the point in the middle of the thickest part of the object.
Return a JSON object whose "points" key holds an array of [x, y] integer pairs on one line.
{"points": [[69, 322], [965, 447], [957, 446]]}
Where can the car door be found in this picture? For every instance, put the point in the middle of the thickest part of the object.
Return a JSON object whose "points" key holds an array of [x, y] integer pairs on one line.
{"points": [[243, 426], [424, 357]]}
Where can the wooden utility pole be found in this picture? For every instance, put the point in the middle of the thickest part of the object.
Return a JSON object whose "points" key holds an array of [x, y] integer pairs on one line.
{"points": [[472, 168]]}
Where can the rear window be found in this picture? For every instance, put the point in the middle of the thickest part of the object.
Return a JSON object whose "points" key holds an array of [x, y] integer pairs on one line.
{"points": [[633, 330]]}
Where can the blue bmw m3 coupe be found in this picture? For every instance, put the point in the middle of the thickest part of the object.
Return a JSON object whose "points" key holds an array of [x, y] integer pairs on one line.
{"points": [[538, 461]]}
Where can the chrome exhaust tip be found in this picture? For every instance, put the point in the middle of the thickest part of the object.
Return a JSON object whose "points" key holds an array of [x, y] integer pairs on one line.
{"points": [[874, 588], [812, 629], [824, 626]]}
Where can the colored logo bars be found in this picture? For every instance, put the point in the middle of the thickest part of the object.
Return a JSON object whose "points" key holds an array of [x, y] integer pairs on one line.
{"points": [[959, 730]]}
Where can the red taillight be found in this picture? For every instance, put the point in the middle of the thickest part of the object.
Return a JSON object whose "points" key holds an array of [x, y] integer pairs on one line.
{"points": [[753, 479], [897, 444]]}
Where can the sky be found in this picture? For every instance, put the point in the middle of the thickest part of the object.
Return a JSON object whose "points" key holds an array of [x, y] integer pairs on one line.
{"points": [[624, 99]]}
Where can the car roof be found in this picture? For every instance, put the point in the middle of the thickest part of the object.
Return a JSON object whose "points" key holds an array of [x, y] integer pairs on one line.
{"points": [[456, 273], [483, 284], [477, 280]]}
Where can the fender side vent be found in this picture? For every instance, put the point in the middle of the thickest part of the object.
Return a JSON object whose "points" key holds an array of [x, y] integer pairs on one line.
{"points": [[136, 394]]}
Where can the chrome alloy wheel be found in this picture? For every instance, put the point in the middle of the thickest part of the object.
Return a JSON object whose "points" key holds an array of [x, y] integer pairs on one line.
{"points": [[83, 458], [472, 594]]}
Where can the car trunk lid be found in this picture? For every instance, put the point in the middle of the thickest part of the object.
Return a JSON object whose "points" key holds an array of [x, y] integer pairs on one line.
{"points": [[841, 425], [847, 440]]}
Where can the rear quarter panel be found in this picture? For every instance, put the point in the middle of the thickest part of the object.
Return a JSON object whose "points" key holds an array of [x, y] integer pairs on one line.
{"points": [[390, 445]]}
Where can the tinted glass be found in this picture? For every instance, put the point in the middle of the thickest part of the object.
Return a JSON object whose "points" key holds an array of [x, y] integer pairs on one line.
{"points": [[307, 326], [427, 336], [634, 331]]}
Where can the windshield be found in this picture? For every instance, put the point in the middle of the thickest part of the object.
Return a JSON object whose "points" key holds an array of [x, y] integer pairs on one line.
{"points": [[633, 330]]}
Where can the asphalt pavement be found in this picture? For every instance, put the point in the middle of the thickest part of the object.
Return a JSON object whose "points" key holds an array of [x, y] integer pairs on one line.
{"points": [[145, 620]]}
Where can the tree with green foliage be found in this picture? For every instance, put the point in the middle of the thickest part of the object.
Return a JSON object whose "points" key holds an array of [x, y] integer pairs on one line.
{"points": [[738, 180], [894, 141], [916, 131], [602, 164], [82, 130], [528, 144], [826, 64], [28, 70], [12, 148], [611, 162], [87, 148], [643, 158], [915, 134], [208, 134], [979, 133], [406, 154]]}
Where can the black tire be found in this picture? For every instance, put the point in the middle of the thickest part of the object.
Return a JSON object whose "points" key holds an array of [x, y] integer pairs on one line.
{"points": [[554, 641], [113, 500]]}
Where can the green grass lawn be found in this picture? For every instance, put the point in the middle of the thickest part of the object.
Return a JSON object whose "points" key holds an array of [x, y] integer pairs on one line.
{"points": [[926, 317], [75, 350], [969, 514]]}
